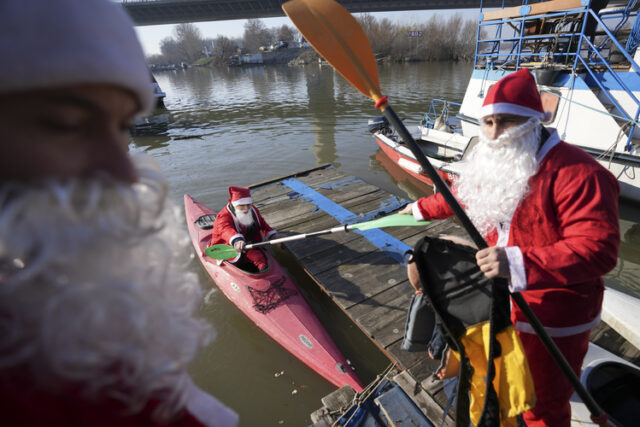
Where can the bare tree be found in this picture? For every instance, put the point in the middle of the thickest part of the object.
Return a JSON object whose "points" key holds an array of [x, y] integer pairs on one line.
{"points": [[170, 50], [286, 34], [468, 36], [190, 41], [442, 39], [256, 34], [223, 47]]}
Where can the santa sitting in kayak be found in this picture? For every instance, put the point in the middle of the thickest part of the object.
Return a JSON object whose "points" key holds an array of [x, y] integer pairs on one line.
{"points": [[239, 224]]}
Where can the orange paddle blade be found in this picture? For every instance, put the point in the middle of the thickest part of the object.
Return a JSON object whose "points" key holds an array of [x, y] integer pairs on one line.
{"points": [[338, 37]]}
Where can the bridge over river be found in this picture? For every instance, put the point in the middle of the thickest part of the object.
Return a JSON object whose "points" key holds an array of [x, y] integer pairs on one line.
{"points": [[155, 12]]}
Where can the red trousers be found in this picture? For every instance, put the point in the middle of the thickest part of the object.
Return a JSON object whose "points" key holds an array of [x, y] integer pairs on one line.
{"points": [[255, 257], [553, 390]]}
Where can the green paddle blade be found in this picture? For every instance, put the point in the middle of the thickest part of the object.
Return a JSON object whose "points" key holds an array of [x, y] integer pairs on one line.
{"points": [[221, 252], [395, 220]]}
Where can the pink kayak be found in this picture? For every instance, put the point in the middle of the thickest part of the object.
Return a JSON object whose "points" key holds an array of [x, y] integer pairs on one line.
{"points": [[273, 302]]}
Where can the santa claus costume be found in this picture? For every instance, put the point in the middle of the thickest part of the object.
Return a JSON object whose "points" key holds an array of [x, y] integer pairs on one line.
{"points": [[561, 238], [228, 228]]}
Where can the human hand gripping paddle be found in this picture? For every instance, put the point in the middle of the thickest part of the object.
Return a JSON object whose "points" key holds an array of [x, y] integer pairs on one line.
{"points": [[224, 252], [338, 37]]}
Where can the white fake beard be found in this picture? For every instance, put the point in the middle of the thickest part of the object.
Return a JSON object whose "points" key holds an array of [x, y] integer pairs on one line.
{"points": [[245, 218], [94, 290], [495, 177]]}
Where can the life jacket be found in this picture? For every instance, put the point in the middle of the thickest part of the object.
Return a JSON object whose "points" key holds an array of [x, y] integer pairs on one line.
{"points": [[495, 383]]}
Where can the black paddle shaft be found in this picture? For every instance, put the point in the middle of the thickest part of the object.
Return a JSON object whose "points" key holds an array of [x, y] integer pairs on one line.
{"points": [[551, 346]]}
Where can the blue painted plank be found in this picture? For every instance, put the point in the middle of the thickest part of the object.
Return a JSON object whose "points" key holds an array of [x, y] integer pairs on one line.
{"points": [[391, 246]]}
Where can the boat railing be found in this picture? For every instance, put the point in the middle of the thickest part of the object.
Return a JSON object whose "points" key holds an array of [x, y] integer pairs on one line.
{"points": [[439, 114], [559, 36]]}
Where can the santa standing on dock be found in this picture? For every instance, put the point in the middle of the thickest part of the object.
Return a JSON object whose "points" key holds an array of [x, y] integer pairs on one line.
{"points": [[549, 212]]}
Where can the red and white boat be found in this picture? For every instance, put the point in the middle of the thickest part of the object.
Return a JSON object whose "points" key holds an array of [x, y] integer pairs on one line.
{"points": [[443, 149], [273, 302]]}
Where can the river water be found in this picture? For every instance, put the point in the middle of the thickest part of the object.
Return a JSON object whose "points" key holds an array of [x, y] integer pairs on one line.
{"points": [[240, 126]]}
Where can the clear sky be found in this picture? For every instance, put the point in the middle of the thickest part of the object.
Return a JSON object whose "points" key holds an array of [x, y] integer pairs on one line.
{"points": [[150, 36]]}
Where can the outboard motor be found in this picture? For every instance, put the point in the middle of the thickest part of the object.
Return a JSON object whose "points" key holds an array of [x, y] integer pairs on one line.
{"points": [[379, 124]]}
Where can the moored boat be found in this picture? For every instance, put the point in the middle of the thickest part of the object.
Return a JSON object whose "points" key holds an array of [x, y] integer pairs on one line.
{"points": [[586, 66], [156, 122], [273, 302], [443, 150]]}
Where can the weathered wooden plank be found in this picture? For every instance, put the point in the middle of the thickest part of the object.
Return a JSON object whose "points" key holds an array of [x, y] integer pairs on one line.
{"points": [[355, 252], [442, 228], [535, 9], [351, 283], [423, 371], [296, 210], [289, 210], [383, 315], [425, 402], [403, 358], [327, 174], [298, 174], [277, 190], [306, 248], [399, 410]]}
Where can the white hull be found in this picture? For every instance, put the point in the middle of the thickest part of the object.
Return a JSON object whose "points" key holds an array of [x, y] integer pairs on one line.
{"points": [[620, 312], [581, 119]]}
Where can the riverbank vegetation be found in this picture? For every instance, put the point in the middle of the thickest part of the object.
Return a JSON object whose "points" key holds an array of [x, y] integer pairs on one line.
{"points": [[438, 39]]}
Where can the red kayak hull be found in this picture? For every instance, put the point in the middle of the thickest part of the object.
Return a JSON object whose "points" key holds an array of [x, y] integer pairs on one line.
{"points": [[292, 323]]}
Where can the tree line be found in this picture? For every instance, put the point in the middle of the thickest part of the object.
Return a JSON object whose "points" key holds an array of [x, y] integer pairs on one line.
{"points": [[452, 39]]}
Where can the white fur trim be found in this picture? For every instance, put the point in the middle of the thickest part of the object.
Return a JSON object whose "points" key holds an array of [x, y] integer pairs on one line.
{"points": [[560, 332], [207, 409], [234, 260], [515, 109], [244, 201], [417, 215], [235, 237], [518, 280], [235, 220], [503, 234]]}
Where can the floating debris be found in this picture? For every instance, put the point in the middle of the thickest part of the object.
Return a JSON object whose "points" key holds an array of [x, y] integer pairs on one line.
{"points": [[277, 374], [294, 391], [194, 136], [208, 298]]}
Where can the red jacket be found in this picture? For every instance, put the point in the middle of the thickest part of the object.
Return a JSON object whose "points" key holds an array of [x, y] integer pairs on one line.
{"points": [[568, 233], [227, 229]]}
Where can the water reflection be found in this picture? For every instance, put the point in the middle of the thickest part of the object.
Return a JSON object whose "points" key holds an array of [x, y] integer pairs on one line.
{"points": [[413, 187], [322, 106]]}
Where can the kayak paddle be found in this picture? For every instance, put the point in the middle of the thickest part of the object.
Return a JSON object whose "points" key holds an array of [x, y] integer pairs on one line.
{"points": [[338, 37], [224, 252]]}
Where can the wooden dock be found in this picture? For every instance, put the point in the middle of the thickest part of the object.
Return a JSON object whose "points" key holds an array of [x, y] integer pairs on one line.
{"points": [[363, 272]]}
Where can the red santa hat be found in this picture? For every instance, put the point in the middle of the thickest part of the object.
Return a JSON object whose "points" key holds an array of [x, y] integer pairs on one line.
{"points": [[515, 94], [240, 196]]}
